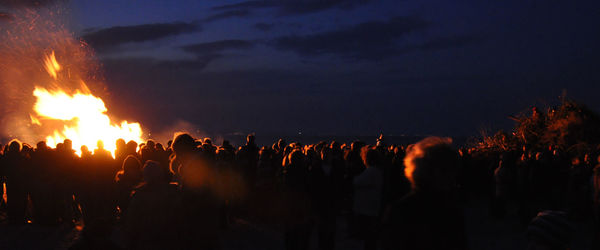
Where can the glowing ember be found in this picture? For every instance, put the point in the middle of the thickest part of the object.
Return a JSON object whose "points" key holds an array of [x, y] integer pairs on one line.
{"points": [[83, 115]]}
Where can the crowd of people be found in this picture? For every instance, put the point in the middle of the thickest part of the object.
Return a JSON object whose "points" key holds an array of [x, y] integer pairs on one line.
{"points": [[183, 194]]}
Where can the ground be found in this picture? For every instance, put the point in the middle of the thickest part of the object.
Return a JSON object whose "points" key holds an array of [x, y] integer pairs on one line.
{"points": [[484, 232]]}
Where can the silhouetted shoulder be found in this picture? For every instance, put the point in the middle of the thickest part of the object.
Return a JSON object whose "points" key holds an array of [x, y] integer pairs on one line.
{"points": [[417, 218]]}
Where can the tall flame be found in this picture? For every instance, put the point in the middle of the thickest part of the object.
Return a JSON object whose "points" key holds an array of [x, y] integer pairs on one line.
{"points": [[52, 66], [83, 114]]}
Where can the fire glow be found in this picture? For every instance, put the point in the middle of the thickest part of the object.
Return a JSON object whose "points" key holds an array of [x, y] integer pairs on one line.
{"points": [[83, 114]]}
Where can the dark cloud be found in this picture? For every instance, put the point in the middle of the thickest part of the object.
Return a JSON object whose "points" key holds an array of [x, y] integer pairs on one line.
{"points": [[293, 7], [263, 26], [216, 47], [300, 7], [154, 65], [325, 96], [111, 38], [28, 3], [445, 43], [227, 14], [198, 63], [369, 40], [247, 5], [204, 54]]}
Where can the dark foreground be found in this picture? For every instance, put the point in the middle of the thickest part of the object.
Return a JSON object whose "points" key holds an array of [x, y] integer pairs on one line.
{"points": [[484, 232]]}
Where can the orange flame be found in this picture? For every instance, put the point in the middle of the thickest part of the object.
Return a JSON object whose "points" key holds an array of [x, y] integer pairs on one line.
{"points": [[52, 66], [83, 114]]}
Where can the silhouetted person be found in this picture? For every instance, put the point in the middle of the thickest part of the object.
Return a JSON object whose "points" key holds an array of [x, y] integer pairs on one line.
{"points": [[66, 177], [209, 149], [504, 180], [44, 193], [297, 202], [131, 148], [429, 217], [101, 202], [153, 217], [579, 187], [162, 156], [148, 152], [200, 202], [247, 158], [127, 179], [325, 184], [549, 230], [227, 146], [395, 184], [85, 152], [15, 170], [354, 166], [120, 151], [368, 192]]}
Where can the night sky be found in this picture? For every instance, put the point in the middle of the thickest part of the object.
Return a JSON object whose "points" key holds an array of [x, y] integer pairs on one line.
{"points": [[337, 67]]}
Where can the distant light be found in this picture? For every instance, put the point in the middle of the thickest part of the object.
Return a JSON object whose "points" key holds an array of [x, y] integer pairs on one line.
{"points": [[299, 132]]}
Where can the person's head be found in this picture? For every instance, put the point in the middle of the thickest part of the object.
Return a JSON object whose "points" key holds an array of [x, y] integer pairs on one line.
{"points": [[85, 150], [143, 148], [296, 158], [153, 173], [41, 145], [432, 164], [27, 148], [250, 139], [15, 146], [67, 144], [280, 144], [120, 143], [264, 153], [150, 144], [100, 145], [371, 157], [183, 143], [131, 165], [538, 156], [356, 145], [132, 146], [208, 148], [549, 230], [326, 154], [225, 155], [380, 140], [159, 147]]}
